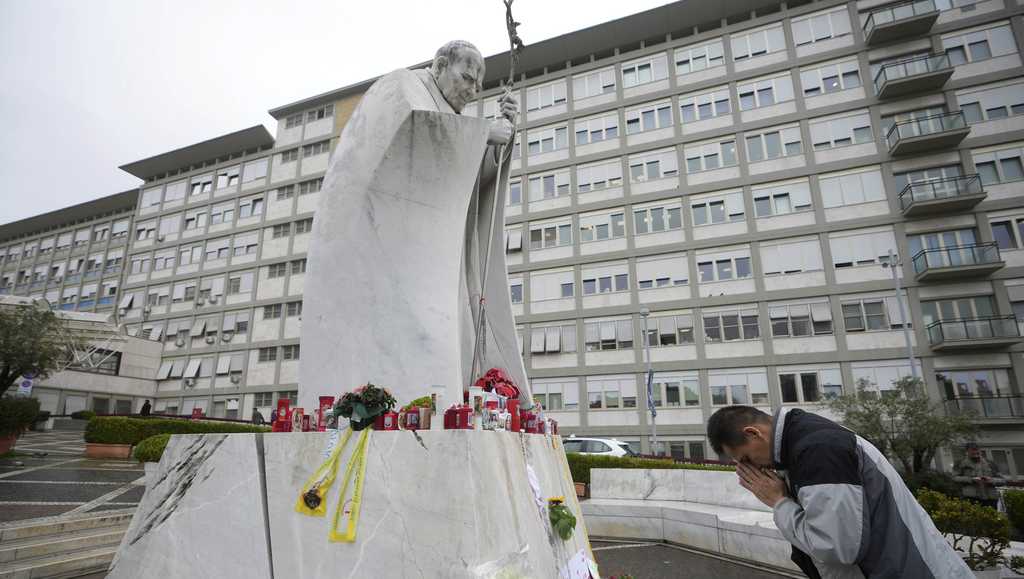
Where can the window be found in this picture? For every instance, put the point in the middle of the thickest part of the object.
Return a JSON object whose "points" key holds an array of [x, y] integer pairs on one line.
{"points": [[879, 375], [708, 156], [201, 184], [546, 140], [303, 226], [175, 191], [830, 77], [731, 325], [548, 186], [240, 283], [718, 208], [294, 309], [611, 392], [558, 339], [601, 284], [218, 248], [810, 385], [821, 26], [184, 291], [703, 106], [782, 199], [649, 117], [277, 270], [315, 149], [272, 312], [551, 285], [552, 235], [662, 271], [224, 213], [862, 247], [958, 309], [165, 259], [267, 354], [190, 255], [138, 264], [851, 188], [516, 292], [281, 230], [320, 113], [290, 122], [992, 102], [545, 96], [675, 390], [298, 266], [515, 192], [773, 144], [791, 256], [290, 352], [597, 128], [700, 57], [601, 226], [841, 131], [246, 244], [926, 121], [556, 394], [642, 71], [974, 383], [800, 320], [151, 197], [657, 219], [978, 45], [1001, 166], [1008, 233], [227, 177], [757, 42], [670, 330], [289, 156], [653, 165], [598, 176], [593, 83], [765, 92], [723, 268], [143, 231], [871, 314], [196, 218], [738, 387], [250, 206], [311, 186], [608, 335]]}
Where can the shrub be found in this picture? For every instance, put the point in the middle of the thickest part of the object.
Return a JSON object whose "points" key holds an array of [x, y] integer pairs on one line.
{"points": [[152, 448], [1014, 501], [17, 413], [980, 533], [932, 480], [580, 464], [125, 430], [83, 415]]}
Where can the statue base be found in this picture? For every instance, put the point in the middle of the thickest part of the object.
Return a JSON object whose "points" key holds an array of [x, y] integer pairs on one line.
{"points": [[451, 503]]}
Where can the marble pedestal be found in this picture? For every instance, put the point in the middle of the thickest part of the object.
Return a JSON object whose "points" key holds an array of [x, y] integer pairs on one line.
{"points": [[453, 504]]}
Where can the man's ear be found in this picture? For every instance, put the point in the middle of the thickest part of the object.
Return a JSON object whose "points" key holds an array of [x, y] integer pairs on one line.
{"points": [[752, 432], [441, 63]]}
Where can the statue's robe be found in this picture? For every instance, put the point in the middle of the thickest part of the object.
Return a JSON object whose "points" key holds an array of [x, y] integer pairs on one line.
{"points": [[397, 250]]}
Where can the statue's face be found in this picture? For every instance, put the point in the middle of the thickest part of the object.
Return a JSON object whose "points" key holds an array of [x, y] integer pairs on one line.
{"points": [[460, 80]]}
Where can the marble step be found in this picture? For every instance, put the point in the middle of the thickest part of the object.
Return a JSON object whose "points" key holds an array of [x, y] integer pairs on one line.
{"points": [[64, 524], [69, 564], [27, 548]]}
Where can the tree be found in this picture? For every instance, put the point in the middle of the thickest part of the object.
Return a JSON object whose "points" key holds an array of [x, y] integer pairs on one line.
{"points": [[903, 423], [30, 343]]}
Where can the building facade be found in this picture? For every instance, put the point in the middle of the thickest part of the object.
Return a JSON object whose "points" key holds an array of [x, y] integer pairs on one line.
{"points": [[751, 180]]}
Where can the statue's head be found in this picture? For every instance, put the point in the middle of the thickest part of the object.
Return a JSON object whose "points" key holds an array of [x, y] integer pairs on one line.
{"points": [[459, 71]]}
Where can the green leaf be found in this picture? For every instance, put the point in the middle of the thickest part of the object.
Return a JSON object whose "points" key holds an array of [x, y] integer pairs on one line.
{"points": [[359, 410]]}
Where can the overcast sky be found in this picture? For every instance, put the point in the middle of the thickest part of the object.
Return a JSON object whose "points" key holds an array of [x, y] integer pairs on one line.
{"points": [[87, 85]]}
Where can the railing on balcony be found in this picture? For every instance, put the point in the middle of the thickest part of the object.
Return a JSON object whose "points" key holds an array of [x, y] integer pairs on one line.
{"points": [[957, 256], [987, 406], [911, 67], [924, 126], [971, 329], [941, 188], [896, 12]]}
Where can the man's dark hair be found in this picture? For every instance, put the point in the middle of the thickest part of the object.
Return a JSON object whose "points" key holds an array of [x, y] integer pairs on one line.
{"points": [[725, 427]]}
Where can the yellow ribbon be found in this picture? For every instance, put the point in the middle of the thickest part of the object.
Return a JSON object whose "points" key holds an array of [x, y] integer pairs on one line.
{"points": [[321, 481], [356, 464]]}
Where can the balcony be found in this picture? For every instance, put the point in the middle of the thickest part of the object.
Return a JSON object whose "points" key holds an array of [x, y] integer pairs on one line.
{"points": [[973, 333], [959, 262], [987, 407], [944, 195], [914, 75], [904, 20], [941, 131]]}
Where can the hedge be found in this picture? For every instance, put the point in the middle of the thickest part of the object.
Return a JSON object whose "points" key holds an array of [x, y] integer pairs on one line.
{"points": [[580, 464], [17, 413], [1014, 501], [125, 430], [152, 448]]}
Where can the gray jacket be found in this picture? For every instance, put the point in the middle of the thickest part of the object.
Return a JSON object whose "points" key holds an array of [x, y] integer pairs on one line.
{"points": [[850, 514]]}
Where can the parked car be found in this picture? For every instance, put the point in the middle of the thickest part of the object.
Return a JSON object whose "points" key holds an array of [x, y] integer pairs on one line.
{"points": [[602, 446]]}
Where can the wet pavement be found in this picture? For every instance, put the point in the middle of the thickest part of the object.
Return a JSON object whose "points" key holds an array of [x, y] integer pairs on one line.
{"points": [[51, 476], [661, 561]]}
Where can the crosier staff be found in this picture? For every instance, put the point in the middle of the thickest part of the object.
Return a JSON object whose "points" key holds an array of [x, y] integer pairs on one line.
{"points": [[515, 48]]}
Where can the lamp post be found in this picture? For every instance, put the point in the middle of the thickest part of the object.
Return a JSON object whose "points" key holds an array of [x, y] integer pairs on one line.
{"points": [[894, 264], [645, 312]]}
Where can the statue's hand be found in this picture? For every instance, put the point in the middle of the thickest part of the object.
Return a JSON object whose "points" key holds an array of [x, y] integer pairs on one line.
{"points": [[509, 105], [501, 132]]}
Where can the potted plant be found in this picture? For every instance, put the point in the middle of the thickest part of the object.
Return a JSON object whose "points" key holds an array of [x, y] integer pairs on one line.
{"points": [[364, 404], [17, 414]]}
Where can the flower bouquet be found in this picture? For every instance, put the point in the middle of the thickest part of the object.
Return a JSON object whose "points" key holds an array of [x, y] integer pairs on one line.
{"points": [[364, 404], [497, 380], [562, 519]]}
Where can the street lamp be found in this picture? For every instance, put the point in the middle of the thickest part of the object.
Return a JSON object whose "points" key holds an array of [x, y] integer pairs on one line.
{"points": [[645, 312], [894, 264]]}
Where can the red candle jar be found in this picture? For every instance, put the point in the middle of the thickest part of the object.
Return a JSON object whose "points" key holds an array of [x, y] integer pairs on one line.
{"points": [[386, 421], [512, 405], [528, 421], [411, 420]]}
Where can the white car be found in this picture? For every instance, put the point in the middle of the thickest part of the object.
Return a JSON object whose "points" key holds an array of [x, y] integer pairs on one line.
{"points": [[601, 446]]}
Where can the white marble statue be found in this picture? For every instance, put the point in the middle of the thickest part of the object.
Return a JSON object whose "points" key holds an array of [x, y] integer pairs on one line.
{"points": [[399, 241]]}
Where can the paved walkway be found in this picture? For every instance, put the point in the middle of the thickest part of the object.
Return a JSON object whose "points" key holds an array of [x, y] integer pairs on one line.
{"points": [[50, 476], [661, 561]]}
